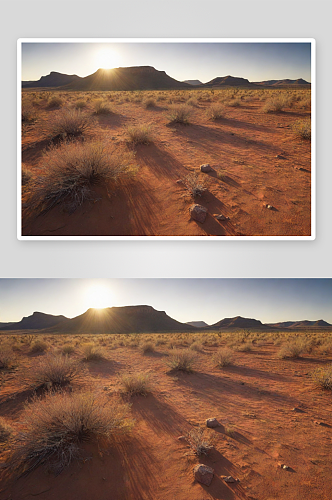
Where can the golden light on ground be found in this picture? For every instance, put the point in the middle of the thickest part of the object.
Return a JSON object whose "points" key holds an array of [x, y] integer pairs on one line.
{"points": [[98, 297], [107, 58]]}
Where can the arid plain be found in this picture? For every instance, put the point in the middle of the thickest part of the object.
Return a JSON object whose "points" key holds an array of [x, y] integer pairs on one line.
{"points": [[268, 390], [150, 146]]}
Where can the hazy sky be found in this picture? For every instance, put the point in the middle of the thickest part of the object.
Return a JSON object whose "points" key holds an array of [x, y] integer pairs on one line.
{"points": [[182, 61], [209, 300]]}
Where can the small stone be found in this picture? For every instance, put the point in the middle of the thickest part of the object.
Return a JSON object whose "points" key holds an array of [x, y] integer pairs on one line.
{"points": [[221, 217], [212, 423], [179, 181], [198, 212], [182, 438], [317, 422], [205, 167], [203, 474], [228, 479], [270, 207], [286, 467]]}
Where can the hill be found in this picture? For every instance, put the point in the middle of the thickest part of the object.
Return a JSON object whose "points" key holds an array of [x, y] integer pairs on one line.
{"points": [[37, 321], [197, 324], [193, 82], [128, 319], [54, 79], [239, 322], [284, 83], [132, 78], [231, 81], [301, 324]]}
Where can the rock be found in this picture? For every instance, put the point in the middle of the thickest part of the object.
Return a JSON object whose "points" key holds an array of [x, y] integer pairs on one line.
{"points": [[206, 167], [179, 181], [203, 474], [198, 212], [270, 207], [286, 467], [182, 438], [228, 479], [283, 466], [212, 423], [221, 217]]}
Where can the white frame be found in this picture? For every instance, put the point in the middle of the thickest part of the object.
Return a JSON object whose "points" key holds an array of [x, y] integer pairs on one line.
{"points": [[312, 41]]}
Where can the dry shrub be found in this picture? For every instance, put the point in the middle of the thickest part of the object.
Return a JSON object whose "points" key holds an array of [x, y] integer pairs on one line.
{"points": [[244, 347], [135, 384], [276, 104], [192, 101], [323, 377], [180, 114], [293, 349], [194, 185], [223, 357], [68, 349], [38, 346], [68, 172], [54, 428], [182, 361], [196, 346], [80, 105], [215, 112], [67, 124], [6, 430], [54, 102], [302, 128], [92, 352], [199, 441], [53, 371], [29, 115], [7, 357], [139, 134], [149, 103], [26, 176], [147, 347], [102, 108]]}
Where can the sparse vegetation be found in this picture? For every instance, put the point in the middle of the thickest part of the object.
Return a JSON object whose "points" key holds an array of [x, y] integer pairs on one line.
{"points": [[215, 112], [199, 441], [7, 357], [149, 102], [180, 113], [223, 357], [54, 102], [195, 186], [68, 172], [183, 360], [322, 376], [53, 372], [303, 129], [92, 352], [6, 430], [276, 104], [38, 346], [102, 108], [293, 349], [135, 384], [147, 348], [67, 124], [139, 134], [56, 426]]}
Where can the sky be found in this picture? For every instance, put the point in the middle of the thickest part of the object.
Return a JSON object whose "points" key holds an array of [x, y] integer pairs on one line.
{"points": [[187, 299], [182, 61]]}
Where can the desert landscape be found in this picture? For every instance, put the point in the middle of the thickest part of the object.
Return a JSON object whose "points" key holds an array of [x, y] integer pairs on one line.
{"points": [[129, 403], [132, 151]]}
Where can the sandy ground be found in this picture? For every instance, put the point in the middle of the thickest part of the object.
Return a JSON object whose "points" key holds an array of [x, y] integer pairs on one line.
{"points": [[274, 412], [257, 160]]}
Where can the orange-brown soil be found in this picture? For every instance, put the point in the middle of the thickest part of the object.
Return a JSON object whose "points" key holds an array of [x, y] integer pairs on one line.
{"points": [[269, 410], [257, 160]]}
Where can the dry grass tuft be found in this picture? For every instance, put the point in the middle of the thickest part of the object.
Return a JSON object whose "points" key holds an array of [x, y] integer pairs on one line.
{"points": [[38, 346], [7, 357], [139, 134], [92, 352], [53, 372], [182, 361], [199, 441], [302, 128], [215, 112], [102, 108], [147, 348], [6, 430], [68, 172], [67, 124], [54, 102], [135, 384], [194, 185], [149, 102], [180, 114], [293, 349], [223, 357], [323, 377], [56, 426], [276, 104]]}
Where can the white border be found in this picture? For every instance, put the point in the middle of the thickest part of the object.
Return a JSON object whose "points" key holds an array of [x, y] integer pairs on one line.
{"points": [[312, 41]]}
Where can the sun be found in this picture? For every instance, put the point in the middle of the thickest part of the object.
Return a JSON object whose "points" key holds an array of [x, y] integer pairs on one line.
{"points": [[107, 58], [98, 297]]}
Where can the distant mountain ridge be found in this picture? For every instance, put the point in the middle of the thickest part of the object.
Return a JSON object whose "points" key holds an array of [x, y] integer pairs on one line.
{"points": [[37, 321], [143, 78], [143, 319]]}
